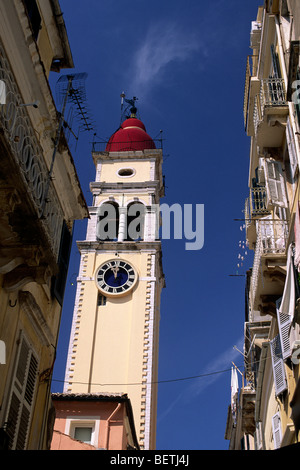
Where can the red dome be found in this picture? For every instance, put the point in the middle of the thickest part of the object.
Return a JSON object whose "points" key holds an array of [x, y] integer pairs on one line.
{"points": [[131, 135]]}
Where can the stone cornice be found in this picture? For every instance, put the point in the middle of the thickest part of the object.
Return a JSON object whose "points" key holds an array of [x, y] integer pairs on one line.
{"points": [[119, 246]]}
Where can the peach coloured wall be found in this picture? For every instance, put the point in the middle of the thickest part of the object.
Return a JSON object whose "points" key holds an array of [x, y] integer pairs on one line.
{"points": [[61, 441], [112, 434]]}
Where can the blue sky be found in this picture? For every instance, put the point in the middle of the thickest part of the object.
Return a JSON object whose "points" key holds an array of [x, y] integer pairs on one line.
{"points": [[185, 61]]}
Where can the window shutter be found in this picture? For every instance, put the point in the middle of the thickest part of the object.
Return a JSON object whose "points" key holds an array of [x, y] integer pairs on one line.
{"points": [[21, 402], [59, 283], [275, 183], [291, 147], [275, 62], [258, 437], [34, 16], [278, 366], [276, 427], [284, 321], [285, 306]]}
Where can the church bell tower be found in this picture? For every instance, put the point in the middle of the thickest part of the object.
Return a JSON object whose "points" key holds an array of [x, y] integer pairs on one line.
{"points": [[115, 330]]}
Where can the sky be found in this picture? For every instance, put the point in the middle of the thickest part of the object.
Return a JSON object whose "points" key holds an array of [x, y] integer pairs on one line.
{"points": [[185, 61]]}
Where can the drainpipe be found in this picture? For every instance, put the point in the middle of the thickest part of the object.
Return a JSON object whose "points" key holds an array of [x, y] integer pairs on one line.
{"points": [[108, 424]]}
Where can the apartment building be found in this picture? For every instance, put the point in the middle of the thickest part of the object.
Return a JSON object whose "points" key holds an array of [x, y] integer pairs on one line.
{"points": [[40, 197], [264, 413]]}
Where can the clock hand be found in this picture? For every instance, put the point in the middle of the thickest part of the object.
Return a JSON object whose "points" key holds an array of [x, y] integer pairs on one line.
{"points": [[115, 271]]}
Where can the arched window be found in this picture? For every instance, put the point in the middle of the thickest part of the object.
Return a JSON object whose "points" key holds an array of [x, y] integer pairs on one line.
{"points": [[135, 221], [108, 221]]}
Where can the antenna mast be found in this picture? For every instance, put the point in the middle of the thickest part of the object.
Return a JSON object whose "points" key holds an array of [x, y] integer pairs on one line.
{"points": [[71, 88]]}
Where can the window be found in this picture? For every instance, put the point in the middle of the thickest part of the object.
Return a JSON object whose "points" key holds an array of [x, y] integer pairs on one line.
{"points": [[108, 221], [83, 434], [135, 221], [293, 161], [59, 282], [84, 429], [121, 223], [34, 16], [275, 184], [276, 428], [279, 375], [275, 63], [101, 302], [126, 172], [22, 397]]}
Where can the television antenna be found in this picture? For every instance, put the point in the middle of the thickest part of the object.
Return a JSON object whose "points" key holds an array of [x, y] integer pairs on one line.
{"points": [[70, 89]]}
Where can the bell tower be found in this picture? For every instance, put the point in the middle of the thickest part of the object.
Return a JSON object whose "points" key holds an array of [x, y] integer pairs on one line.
{"points": [[115, 330]]}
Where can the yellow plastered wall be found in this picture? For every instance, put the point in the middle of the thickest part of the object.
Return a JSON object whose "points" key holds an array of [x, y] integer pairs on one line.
{"points": [[141, 171], [108, 346]]}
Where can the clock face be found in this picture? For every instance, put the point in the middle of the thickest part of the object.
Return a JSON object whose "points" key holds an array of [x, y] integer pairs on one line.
{"points": [[115, 277]]}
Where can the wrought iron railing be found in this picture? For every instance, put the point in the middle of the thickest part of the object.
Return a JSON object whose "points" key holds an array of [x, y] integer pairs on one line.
{"points": [[257, 201], [25, 148], [272, 92], [272, 236], [255, 270]]}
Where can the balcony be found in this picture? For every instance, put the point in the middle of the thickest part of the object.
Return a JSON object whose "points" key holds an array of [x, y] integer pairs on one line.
{"points": [[255, 207], [31, 216], [255, 35], [268, 273], [252, 85], [258, 202], [270, 112]]}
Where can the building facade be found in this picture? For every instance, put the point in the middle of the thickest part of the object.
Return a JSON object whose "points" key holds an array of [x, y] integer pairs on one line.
{"points": [[114, 337], [93, 421], [40, 199], [267, 404]]}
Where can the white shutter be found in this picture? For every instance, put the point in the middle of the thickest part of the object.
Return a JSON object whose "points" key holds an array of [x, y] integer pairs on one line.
{"points": [[258, 436], [279, 376], [284, 322], [276, 427], [291, 147], [21, 401], [276, 194], [285, 307]]}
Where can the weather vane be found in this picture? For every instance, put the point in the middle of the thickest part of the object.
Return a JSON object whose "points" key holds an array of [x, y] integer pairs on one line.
{"points": [[131, 105]]}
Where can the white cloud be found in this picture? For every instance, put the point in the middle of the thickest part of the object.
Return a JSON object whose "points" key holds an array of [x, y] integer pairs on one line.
{"points": [[164, 43], [212, 372], [222, 362]]}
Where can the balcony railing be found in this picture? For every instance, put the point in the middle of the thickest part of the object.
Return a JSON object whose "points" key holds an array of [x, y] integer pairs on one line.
{"points": [[272, 236], [272, 92], [272, 95], [251, 70], [257, 201], [28, 154]]}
